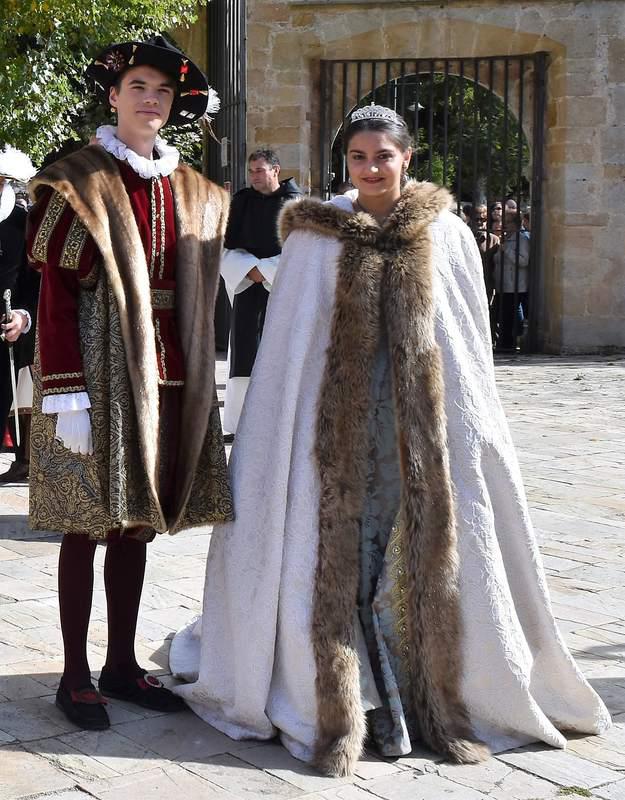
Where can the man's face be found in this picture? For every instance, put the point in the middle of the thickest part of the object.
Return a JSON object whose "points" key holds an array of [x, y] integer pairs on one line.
{"points": [[143, 100], [263, 176], [481, 218]]}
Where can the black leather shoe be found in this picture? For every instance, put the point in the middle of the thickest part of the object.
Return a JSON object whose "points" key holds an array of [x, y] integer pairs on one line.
{"points": [[84, 707], [146, 691]]}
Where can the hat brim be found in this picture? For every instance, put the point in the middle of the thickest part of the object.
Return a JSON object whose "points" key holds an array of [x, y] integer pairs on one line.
{"points": [[192, 89]]}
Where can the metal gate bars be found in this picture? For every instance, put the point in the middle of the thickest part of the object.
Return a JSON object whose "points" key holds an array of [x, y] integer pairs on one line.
{"points": [[478, 128], [226, 25]]}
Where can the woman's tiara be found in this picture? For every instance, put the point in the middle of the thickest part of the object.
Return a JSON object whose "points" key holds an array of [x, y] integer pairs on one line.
{"points": [[376, 112]]}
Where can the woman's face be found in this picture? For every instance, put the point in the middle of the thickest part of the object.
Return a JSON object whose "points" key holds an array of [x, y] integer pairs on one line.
{"points": [[375, 164]]}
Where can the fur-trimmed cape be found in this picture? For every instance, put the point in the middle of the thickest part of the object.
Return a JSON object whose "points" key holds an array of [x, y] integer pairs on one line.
{"points": [[385, 280], [118, 486], [278, 648]]}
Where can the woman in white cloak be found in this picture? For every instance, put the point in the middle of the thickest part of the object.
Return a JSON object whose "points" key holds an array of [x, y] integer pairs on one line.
{"points": [[382, 572]]}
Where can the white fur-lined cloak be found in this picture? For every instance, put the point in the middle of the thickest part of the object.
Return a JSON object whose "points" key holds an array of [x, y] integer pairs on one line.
{"points": [[277, 645]]}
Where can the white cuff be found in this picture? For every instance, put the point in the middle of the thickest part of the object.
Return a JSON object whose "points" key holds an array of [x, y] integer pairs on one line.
{"points": [[235, 264], [269, 267], [59, 403], [245, 284], [73, 429], [29, 321]]}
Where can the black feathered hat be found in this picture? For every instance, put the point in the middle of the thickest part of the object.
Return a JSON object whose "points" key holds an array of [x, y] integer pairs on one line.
{"points": [[194, 98]]}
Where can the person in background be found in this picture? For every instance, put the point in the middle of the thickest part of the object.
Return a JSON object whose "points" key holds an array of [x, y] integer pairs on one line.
{"points": [[488, 243], [16, 275], [511, 283], [249, 264]]}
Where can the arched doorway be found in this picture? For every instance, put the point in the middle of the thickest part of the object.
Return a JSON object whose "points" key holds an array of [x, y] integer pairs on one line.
{"points": [[477, 124]]}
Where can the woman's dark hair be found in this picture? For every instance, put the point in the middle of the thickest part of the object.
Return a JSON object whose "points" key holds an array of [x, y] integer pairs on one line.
{"points": [[396, 130]]}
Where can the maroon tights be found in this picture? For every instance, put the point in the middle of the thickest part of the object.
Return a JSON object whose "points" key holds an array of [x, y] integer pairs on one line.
{"points": [[124, 570]]}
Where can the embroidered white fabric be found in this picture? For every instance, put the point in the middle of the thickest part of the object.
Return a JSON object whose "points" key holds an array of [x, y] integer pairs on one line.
{"points": [[251, 656], [70, 401], [162, 166]]}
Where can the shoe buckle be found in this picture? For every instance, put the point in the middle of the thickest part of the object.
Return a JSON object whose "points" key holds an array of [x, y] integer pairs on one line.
{"points": [[89, 697]]}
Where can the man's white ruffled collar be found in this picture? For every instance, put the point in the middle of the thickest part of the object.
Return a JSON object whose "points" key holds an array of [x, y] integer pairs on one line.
{"points": [[162, 166]]}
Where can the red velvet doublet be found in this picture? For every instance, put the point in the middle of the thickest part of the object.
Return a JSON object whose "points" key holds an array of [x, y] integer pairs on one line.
{"points": [[60, 246]]}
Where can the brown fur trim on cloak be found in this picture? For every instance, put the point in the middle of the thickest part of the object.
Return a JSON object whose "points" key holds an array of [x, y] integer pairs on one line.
{"points": [[385, 277], [90, 181]]}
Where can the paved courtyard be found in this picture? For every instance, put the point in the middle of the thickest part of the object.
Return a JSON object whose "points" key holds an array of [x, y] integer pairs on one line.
{"points": [[568, 421]]}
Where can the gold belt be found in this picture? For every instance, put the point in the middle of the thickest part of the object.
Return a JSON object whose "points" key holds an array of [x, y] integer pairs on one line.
{"points": [[163, 298]]}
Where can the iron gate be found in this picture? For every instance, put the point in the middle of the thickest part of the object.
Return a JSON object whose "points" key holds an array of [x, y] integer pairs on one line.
{"points": [[226, 26], [478, 128]]}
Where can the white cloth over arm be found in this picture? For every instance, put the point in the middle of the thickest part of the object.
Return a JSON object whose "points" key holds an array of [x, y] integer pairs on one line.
{"points": [[73, 424], [235, 265]]}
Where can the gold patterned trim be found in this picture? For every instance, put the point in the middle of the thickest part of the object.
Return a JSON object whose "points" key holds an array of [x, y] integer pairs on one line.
{"points": [[157, 209], [161, 347], [63, 389], [163, 298], [161, 255], [53, 213], [399, 591], [62, 376], [74, 245], [161, 382]]}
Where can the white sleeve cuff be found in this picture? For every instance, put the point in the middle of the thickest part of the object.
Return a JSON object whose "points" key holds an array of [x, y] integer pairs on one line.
{"points": [[245, 284], [269, 267], [235, 264], [71, 401], [29, 321]]}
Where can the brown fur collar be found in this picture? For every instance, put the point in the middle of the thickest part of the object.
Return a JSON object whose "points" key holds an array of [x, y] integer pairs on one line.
{"points": [[91, 183], [419, 204], [385, 278]]}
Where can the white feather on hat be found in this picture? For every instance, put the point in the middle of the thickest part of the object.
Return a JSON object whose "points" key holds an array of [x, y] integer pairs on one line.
{"points": [[16, 165]]}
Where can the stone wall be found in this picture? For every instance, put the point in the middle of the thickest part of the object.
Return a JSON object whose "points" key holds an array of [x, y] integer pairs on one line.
{"points": [[583, 274]]}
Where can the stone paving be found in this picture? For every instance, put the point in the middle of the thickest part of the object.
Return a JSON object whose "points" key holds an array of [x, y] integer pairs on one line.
{"points": [[567, 418]]}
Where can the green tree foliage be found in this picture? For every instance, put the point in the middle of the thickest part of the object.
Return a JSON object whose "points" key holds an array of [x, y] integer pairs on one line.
{"points": [[45, 46], [477, 146]]}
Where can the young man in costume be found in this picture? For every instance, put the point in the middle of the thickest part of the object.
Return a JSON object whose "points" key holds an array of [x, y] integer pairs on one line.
{"points": [[126, 437]]}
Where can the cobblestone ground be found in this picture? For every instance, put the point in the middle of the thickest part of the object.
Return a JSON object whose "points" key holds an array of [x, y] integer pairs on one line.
{"points": [[567, 417]]}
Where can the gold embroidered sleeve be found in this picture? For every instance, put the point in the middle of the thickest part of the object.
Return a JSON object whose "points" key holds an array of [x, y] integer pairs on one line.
{"points": [[74, 245], [51, 217]]}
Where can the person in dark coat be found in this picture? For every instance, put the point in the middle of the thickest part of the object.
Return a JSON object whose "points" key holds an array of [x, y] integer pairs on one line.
{"points": [[19, 331], [249, 266]]}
